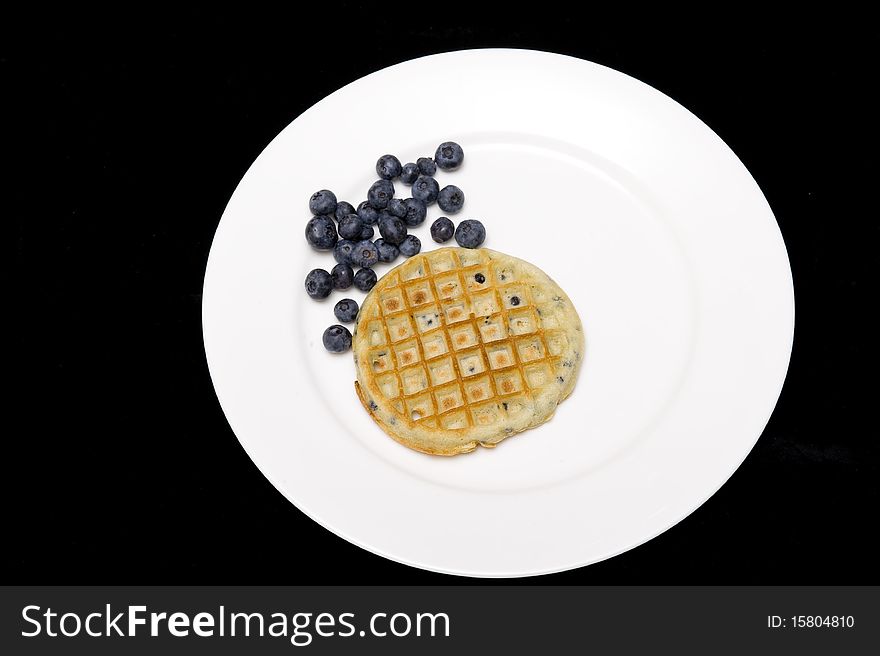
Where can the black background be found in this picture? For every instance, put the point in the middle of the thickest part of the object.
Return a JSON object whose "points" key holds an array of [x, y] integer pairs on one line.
{"points": [[136, 129]]}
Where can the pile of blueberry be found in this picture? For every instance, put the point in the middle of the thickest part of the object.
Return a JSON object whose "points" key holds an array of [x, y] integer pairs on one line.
{"points": [[349, 231]]}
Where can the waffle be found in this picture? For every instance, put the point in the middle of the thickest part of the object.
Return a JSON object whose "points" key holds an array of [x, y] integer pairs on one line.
{"points": [[457, 348]]}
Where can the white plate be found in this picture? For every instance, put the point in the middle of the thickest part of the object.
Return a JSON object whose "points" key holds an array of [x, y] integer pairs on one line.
{"points": [[634, 206]]}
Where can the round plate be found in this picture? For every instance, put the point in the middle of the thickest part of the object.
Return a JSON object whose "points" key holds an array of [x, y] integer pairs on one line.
{"points": [[654, 228]]}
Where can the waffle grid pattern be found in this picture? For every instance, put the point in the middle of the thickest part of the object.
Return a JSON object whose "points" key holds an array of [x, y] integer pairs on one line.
{"points": [[459, 341]]}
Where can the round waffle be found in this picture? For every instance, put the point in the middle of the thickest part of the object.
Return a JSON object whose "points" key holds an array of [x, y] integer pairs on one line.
{"points": [[457, 348]]}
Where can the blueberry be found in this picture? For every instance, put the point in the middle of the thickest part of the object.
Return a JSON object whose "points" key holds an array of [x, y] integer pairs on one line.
{"points": [[366, 232], [392, 229], [450, 199], [410, 246], [397, 207], [426, 166], [344, 208], [337, 339], [514, 300], [470, 233], [321, 233], [319, 284], [449, 156], [350, 227], [343, 250], [322, 202], [342, 275], [480, 278], [442, 230], [365, 254], [409, 173], [365, 279], [388, 252], [346, 310], [368, 214], [426, 189], [416, 211], [388, 167], [381, 191]]}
